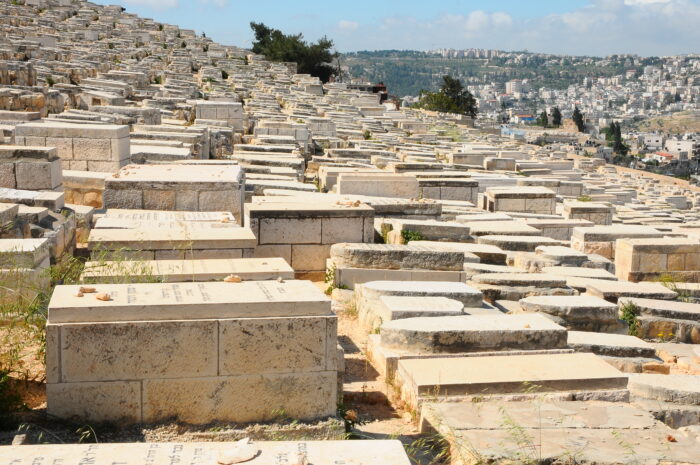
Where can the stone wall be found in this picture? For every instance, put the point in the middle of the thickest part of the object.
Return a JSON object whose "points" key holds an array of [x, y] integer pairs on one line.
{"points": [[83, 147]]}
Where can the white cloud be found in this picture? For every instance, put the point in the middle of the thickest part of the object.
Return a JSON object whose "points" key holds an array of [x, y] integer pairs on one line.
{"points": [[348, 26], [155, 4], [219, 3], [644, 2], [476, 21], [602, 27]]}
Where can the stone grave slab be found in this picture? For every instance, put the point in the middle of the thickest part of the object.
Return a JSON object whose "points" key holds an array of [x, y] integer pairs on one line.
{"points": [[177, 241], [575, 272], [678, 389], [628, 354], [177, 187], [460, 377], [54, 201], [395, 256], [581, 313], [365, 452], [401, 307], [484, 253], [371, 291], [171, 271], [501, 228], [604, 433], [473, 333], [516, 286], [614, 290], [183, 301], [517, 243], [123, 353]]}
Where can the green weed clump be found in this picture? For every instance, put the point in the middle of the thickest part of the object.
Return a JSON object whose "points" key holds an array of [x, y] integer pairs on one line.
{"points": [[407, 235], [629, 313]]}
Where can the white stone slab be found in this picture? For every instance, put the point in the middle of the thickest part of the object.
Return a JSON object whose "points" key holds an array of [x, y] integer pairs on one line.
{"points": [[210, 453], [188, 301]]}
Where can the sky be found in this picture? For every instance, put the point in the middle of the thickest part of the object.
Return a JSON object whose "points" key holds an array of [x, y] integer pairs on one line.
{"points": [[574, 27]]}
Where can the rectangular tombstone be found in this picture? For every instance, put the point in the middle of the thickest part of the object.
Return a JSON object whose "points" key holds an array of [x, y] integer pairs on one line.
{"points": [[48, 199], [375, 452], [499, 164], [594, 212], [84, 147], [229, 112], [449, 189], [307, 230], [30, 168], [379, 185], [560, 229], [520, 199], [509, 374], [260, 346], [601, 239], [649, 259], [395, 257], [199, 187], [173, 241], [248, 269]]}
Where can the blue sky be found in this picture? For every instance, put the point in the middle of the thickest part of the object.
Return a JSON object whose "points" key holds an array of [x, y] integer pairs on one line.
{"points": [[581, 27]]}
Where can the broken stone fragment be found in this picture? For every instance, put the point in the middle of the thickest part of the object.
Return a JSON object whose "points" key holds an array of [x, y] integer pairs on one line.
{"points": [[242, 451], [104, 297]]}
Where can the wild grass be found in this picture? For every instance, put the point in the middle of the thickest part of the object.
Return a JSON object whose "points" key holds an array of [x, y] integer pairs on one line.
{"points": [[24, 301]]}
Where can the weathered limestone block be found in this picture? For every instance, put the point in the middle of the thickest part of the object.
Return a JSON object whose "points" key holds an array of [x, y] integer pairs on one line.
{"points": [[303, 233], [378, 185], [30, 168], [373, 452], [85, 147], [472, 333], [393, 257], [601, 239], [580, 313], [648, 259], [516, 286], [520, 199], [133, 352], [158, 187], [594, 212]]}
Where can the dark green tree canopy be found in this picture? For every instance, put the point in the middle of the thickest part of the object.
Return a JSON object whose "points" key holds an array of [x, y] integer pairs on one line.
{"points": [[613, 135], [311, 58], [451, 98], [578, 120], [556, 117]]}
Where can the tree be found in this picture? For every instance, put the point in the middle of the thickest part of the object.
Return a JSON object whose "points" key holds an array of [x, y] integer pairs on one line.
{"points": [[311, 58], [613, 135], [451, 98], [556, 117], [543, 119], [578, 120]]}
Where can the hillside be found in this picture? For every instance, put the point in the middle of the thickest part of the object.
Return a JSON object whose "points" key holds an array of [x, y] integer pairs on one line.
{"points": [[407, 72]]}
